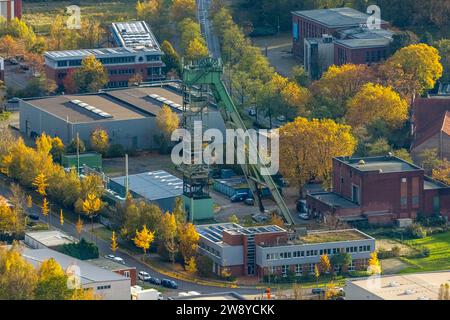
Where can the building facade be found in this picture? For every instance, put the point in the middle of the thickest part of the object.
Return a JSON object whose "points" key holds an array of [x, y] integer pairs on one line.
{"points": [[271, 250], [431, 126], [121, 64], [10, 9], [351, 40], [381, 190]]}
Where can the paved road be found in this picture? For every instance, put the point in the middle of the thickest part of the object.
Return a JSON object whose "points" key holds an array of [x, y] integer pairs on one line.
{"points": [[205, 24], [104, 249]]}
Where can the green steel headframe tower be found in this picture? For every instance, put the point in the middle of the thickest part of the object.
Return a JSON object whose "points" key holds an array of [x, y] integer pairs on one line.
{"points": [[203, 77]]}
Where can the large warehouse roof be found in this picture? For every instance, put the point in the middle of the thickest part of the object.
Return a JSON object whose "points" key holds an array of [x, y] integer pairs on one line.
{"points": [[119, 104], [153, 185], [88, 272]]}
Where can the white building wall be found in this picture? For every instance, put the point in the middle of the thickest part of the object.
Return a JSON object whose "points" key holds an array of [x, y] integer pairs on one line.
{"points": [[119, 290]]}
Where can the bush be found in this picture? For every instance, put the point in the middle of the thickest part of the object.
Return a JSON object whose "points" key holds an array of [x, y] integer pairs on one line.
{"points": [[82, 250], [416, 231], [204, 266], [116, 151], [358, 274]]}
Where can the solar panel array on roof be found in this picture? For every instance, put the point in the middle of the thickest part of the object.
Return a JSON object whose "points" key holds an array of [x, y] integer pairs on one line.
{"points": [[214, 232], [92, 109], [154, 185], [135, 34]]}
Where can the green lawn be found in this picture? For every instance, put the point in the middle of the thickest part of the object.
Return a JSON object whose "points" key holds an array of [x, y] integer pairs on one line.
{"points": [[439, 259], [41, 15]]}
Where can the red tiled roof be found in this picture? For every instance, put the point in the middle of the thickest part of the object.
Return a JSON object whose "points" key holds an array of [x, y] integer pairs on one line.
{"points": [[431, 116]]}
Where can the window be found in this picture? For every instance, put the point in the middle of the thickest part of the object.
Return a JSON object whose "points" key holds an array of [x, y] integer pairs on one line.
{"points": [[415, 201], [126, 274], [284, 270], [437, 205], [351, 266], [355, 194], [298, 270], [106, 287], [311, 268]]}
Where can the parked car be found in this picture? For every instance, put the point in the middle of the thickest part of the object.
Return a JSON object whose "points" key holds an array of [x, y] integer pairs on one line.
{"points": [[281, 118], [169, 284], [154, 280], [303, 216], [110, 256], [252, 112], [119, 260], [144, 276], [33, 216], [239, 197], [249, 201], [13, 61], [259, 218]]}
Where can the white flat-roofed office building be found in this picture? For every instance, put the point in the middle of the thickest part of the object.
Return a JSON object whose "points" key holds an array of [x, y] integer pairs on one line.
{"points": [[414, 286], [109, 285], [264, 250]]}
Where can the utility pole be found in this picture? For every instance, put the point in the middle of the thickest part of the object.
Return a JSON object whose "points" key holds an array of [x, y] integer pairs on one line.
{"points": [[127, 187], [78, 154]]}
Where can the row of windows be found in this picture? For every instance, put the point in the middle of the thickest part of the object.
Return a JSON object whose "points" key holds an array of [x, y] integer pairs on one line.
{"points": [[153, 58], [310, 267], [116, 84], [121, 71], [376, 56], [116, 60], [104, 287], [315, 253], [209, 249]]}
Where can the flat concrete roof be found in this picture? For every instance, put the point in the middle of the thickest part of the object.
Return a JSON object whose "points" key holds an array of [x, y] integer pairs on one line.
{"points": [[89, 273], [100, 53], [333, 199], [51, 238], [153, 185], [415, 286], [62, 107], [108, 264], [335, 17], [118, 104], [385, 164], [363, 43]]}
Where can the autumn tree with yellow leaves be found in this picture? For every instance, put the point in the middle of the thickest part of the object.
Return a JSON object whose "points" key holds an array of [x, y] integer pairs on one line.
{"points": [[167, 232], [91, 206], [188, 238], [40, 182], [100, 141], [144, 239], [114, 243], [337, 85], [375, 102], [374, 266], [325, 264], [79, 226], [412, 70], [167, 121], [307, 148]]}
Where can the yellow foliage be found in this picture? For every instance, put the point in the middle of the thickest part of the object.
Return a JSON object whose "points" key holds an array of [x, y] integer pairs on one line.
{"points": [[114, 244], [374, 264], [196, 49], [442, 172], [100, 141], [376, 102], [91, 205], [79, 225], [419, 63], [167, 121], [144, 239], [308, 146], [325, 264], [45, 207], [191, 265], [40, 182], [188, 237], [29, 201], [61, 217]]}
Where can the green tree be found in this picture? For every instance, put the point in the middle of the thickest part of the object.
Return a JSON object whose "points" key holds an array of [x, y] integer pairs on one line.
{"points": [[52, 282], [170, 58]]}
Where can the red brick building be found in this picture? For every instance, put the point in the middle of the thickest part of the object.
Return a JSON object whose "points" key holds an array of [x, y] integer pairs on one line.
{"points": [[10, 9], [380, 190], [431, 126], [353, 42]]}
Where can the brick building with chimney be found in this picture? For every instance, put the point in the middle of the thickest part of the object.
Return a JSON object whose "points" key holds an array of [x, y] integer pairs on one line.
{"points": [[380, 190]]}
